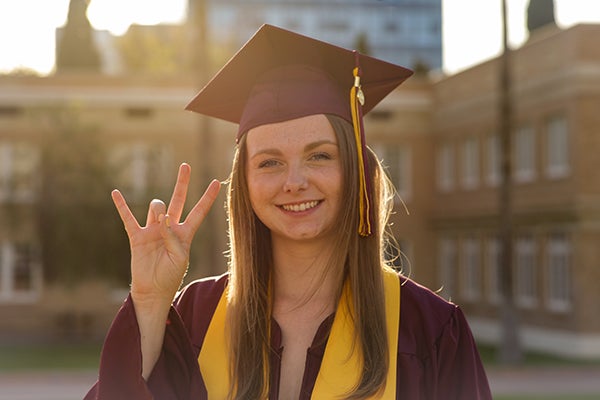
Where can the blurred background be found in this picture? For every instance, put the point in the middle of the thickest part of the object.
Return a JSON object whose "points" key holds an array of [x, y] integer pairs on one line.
{"points": [[492, 146]]}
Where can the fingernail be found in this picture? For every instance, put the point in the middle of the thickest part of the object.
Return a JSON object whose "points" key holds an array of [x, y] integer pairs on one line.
{"points": [[167, 221]]}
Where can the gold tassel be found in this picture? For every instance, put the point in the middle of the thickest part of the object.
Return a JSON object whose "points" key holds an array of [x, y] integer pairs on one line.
{"points": [[357, 100]]}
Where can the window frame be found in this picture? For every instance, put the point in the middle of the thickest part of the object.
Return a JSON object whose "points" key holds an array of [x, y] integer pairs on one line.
{"points": [[471, 269], [9, 258], [445, 167], [557, 147], [525, 154], [470, 168], [558, 288], [526, 272]]}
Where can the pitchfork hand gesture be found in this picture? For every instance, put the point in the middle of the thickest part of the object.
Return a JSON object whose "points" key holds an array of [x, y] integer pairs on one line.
{"points": [[160, 256]]}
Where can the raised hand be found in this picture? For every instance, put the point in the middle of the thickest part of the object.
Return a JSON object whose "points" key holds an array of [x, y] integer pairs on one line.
{"points": [[160, 250], [159, 259]]}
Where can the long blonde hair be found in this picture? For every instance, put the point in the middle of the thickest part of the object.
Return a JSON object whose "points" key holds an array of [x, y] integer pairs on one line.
{"points": [[250, 267]]}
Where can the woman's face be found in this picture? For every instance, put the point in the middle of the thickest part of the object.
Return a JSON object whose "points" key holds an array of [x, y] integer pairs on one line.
{"points": [[294, 177]]}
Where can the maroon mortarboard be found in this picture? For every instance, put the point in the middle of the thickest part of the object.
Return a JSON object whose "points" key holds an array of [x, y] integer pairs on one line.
{"points": [[280, 75]]}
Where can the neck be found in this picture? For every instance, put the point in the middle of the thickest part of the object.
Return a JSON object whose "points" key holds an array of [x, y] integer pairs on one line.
{"points": [[304, 276]]}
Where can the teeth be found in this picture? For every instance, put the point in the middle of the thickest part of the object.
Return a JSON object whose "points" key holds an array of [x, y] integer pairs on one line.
{"points": [[300, 207]]}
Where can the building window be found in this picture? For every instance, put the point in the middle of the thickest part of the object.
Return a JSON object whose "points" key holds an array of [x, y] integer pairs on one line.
{"points": [[558, 259], [18, 167], [471, 260], [493, 260], [20, 272], [470, 163], [434, 28], [141, 168], [447, 263], [398, 161], [525, 155], [445, 168], [557, 148], [526, 284], [391, 27], [332, 25], [129, 161], [492, 165], [5, 170]]}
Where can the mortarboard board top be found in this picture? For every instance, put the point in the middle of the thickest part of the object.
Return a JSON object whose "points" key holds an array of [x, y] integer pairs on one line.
{"points": [[279, 75]]}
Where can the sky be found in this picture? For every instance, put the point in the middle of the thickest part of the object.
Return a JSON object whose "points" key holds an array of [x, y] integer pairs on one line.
{"points": [[471, 29]]}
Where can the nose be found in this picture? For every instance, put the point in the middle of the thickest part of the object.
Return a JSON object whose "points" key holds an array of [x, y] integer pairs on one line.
{"points": [[295, 179]]}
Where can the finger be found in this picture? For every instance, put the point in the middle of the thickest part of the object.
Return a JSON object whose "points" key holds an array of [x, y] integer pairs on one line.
{"points": [[179, 193], [196, 216], [156, 208], [173, 243], [125, 213]]}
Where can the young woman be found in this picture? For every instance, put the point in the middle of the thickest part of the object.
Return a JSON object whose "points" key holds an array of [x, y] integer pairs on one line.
{"points": [[308, 309]]}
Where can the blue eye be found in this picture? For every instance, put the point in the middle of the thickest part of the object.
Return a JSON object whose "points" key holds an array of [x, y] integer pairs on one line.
{"points": [[320, 156]]}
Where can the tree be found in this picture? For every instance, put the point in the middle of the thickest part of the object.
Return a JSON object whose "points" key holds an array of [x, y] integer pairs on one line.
{"points": [[80, 233], [361, 44], [158, 49], [75, 49]]}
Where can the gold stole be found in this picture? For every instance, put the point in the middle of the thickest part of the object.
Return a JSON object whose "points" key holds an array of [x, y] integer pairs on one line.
{"points": [[341, 366]]}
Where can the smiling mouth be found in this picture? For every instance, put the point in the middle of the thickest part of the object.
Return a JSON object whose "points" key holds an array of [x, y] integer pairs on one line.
{"points": [[300, 206]]}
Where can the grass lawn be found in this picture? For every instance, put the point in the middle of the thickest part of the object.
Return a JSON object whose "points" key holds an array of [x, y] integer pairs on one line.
{"points": [[49, 356], [531, 359], [87, 355]]}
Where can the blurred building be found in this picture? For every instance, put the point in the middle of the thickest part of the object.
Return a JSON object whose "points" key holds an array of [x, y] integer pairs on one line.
{"points": [[144, 135], [440, 143], [556, 191], [438, 139], [405, 32]]}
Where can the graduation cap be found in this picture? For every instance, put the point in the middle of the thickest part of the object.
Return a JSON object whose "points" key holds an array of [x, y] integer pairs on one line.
{"points": [[280, 75]]}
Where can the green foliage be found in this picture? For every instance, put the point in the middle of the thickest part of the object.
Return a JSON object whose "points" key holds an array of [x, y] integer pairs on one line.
{"points": [[361, 44], [159, 49], [81, 235], [532, 359], [49, 357], [420, 67]]}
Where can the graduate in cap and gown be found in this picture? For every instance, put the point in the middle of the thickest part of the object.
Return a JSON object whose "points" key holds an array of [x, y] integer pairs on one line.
{"points": [[309, 308]]}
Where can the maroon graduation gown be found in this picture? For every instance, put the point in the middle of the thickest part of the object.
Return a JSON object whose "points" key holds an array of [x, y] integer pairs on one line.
{"points": [[437, 356]]}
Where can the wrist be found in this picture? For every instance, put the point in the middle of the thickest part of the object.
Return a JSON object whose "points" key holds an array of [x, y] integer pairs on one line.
{"points": [[155, 303]]}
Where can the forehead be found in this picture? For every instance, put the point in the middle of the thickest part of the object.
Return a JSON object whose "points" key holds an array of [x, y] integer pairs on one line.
{"points": [[299, 131]]}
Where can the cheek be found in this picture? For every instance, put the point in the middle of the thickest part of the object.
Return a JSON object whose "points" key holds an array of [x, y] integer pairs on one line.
{"points": [[335, 180], [339, 189], [259, 187], [252, 186]]}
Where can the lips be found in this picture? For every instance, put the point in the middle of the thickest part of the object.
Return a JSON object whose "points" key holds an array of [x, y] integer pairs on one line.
{"points": [[300, 206]]}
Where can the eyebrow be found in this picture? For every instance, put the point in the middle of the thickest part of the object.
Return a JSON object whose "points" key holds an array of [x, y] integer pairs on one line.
{"points": [[310, 146]]}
